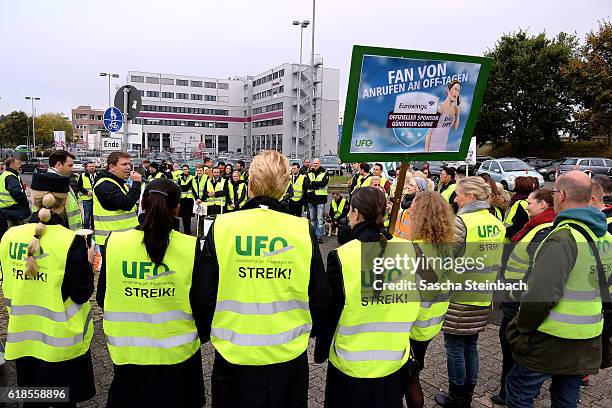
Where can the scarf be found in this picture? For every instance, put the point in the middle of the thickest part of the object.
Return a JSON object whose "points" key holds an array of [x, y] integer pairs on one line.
{"points": [[548, 215]]}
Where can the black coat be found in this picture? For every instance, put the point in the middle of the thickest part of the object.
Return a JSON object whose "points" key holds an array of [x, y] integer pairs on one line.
{"points": [[311, 197], [77, 373], [112, 198], [20, 210]]}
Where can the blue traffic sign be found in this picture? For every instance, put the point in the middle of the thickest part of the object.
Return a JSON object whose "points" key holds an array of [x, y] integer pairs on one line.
{"points": [[113, 119]]}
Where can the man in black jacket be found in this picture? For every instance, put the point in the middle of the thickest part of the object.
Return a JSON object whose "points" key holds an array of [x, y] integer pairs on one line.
{"points": [[317, 197], [13, 194]]}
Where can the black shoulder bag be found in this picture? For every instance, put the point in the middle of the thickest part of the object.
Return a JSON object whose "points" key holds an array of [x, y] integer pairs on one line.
{"points": [[606, 307]]}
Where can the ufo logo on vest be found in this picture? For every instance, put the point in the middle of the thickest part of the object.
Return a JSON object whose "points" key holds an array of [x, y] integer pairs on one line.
{"points": [[261, 245]]}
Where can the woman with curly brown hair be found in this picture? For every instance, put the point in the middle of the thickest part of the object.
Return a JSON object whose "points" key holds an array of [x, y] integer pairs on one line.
{"points": [[432, 233], [498, 202]]}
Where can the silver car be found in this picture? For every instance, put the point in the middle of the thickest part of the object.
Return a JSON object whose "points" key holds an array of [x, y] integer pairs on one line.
{"points": [[506, 170]]}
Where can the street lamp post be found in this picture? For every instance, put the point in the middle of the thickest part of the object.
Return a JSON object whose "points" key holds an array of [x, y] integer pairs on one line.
{"points": [[33, 98], [302, 25], [109, 75]]}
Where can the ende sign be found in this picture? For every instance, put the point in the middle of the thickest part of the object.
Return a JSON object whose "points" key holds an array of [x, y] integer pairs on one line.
{"points": [[107, 143]]}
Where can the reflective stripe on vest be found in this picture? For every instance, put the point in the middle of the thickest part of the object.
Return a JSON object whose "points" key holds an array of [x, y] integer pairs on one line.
{"points": [[182, 183], [262, 315], [519, 259], [87, 186], [402, 225], [364, 181], [372, 340], [318, 191], [73, 212], [239, 194], [218, 187], [577, 315], [337, 209], [6, 199], [200, 187], [156, 328], [41, 324], [106, 221], [298, 187], [482, 228]]}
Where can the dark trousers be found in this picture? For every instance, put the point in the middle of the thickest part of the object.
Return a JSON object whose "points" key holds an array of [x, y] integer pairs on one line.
{"points": [[510, 310], [282, 385], [296, 207], [213, 210], [461, 358], [523, 385], [186, 224], [88, 214]]}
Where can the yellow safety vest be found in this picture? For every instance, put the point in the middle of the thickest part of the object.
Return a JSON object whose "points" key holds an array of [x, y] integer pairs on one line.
{"points": [[364, 181], [498, 213], [188, 181], [372, 339], [200, 187], [159, 174], [512, 212], [87, 186], [484, 242], [147, 315], [577, 315], [176, 174], [337, 209], [6, 199], [298, 187], [519, 260], [41, 324], [238, 193], [106, 221], [262, 315], [448, 192], [73, 212], [220, 201], [318, 191]]}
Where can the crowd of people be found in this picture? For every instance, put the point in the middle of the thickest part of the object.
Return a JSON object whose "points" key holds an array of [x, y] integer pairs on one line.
{"points": [[257, 287]]}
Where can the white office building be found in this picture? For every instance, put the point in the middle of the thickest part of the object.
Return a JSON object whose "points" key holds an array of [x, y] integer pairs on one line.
{"points": [[240, 114]]}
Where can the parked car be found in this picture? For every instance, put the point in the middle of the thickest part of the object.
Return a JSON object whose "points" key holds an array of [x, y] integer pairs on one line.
{"points": [[507, 169], [595, 165], [331, 164], [536, 163], [35, 165], [549, 170]]}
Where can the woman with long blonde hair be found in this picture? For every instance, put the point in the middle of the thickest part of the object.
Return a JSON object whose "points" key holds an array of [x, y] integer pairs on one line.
{"points": [[47, 296]]}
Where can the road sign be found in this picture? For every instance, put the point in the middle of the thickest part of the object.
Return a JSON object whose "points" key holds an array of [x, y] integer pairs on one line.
{"points": [[185, 138], [109, 143], [113, 119], [134, 101]]}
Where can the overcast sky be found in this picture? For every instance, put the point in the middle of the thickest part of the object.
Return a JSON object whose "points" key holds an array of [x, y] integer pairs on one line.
{"points": [[55, 49]]}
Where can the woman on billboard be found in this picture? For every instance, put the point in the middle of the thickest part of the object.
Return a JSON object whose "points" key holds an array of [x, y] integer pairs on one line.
{"points": [[437, 138]]}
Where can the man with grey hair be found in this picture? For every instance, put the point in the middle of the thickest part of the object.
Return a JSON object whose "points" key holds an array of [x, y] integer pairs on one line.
{"points": [[557, 333]]}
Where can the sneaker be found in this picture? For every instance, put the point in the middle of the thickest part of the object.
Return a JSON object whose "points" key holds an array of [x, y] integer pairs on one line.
{"points": [[585, 381]]}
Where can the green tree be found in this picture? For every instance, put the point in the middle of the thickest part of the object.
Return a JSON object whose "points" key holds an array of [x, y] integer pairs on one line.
{"points": [[14, 129], [49, 122], [527, 101], [590, 76]]}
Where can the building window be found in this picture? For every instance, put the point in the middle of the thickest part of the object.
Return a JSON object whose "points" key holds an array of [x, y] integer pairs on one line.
{"points": [[197, 84], [266, 123], [246, 87], [182, 82], [221, 125], [223, 85], [142, 93], [168, 95], [209, 98], [222, 143], [210, 84], [281, 73], [81, 117], [152, 80], [152, 94], [196, 97], [182, 95], [167, 81], [137, 78]]}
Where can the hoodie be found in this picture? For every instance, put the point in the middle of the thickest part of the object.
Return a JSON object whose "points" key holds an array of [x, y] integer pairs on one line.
{"points": [[556, 258]]}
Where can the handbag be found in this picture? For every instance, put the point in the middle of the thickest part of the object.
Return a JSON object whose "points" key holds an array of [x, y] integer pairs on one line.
{"points": [[606, 307]]}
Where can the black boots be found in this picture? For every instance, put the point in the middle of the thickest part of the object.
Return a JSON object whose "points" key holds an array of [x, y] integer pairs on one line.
{"points": [[459, 396], [455, 397]]}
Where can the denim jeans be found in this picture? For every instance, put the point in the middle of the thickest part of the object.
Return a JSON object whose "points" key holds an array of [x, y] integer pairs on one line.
{"points": [[88, 214], [317, 219], [523, 385], [461, 358]]}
